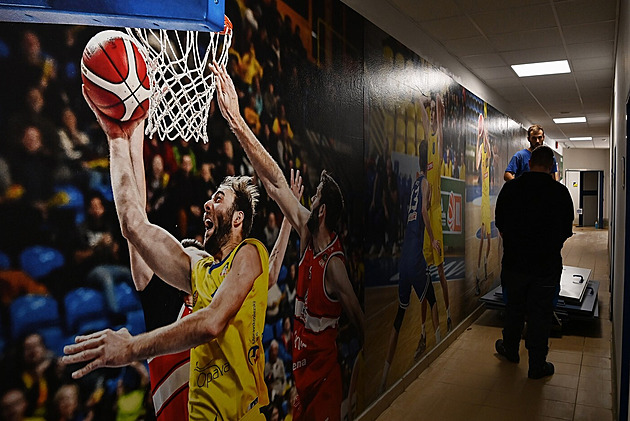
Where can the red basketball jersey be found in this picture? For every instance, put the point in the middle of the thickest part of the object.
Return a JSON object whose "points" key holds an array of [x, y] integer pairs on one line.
{"points": [[169, 382], [316, 322]]}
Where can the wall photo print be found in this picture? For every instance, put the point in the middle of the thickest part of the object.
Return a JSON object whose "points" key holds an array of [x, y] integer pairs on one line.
{"points": [[388, 229]]}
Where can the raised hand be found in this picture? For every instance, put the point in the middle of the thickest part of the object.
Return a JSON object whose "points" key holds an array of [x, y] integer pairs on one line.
{"points": [[103, 349], [296, 184], [227, 97], [114, 129]]}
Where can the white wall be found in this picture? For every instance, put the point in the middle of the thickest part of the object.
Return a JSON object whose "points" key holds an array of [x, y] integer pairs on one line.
{"points": [[618, 140], [591, 159]]}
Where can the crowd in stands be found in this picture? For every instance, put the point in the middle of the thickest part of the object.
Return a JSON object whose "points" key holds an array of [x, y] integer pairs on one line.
{"points": [[55, 192]]}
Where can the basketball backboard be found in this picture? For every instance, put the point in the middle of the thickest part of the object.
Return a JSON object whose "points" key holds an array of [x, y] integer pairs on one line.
{"points": [[195, 15]]}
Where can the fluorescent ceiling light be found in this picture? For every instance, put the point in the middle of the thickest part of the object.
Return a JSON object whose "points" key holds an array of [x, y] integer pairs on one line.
{"points": [[542, 68], [581, 138], [566, 120]]}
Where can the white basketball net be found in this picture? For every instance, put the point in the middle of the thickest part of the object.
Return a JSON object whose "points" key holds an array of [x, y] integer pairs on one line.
{"points": [[182, 84]]}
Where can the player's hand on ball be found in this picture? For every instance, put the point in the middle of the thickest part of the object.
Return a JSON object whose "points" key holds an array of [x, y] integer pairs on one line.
{"points": [[114, 129], [102, 349]]}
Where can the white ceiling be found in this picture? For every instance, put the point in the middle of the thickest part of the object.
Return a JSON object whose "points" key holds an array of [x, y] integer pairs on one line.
{"points": [[487, 36]]}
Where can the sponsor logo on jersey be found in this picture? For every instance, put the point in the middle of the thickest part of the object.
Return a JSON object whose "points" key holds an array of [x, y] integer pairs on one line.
{"points": [[299, 364], [209, 373], [253, 354], [225, 270]]}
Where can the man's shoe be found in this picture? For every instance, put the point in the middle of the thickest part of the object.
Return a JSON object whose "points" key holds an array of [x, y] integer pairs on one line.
{"points": [[422, 346], [511, 357], [546, 370], [449, 324]]}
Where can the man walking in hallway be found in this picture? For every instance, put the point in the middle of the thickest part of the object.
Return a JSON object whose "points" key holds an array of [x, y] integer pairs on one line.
{"points": [[534, 215]]}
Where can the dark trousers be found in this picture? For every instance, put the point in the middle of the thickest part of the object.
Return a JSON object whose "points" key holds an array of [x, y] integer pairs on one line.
{"points": [[531, 297]]}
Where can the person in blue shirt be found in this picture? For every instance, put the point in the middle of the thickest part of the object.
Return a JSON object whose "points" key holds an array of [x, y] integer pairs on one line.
{"points": [[520, 161]]}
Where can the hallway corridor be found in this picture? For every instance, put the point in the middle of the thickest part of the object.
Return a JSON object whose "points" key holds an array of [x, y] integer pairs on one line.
{"points": [[469, 382]]}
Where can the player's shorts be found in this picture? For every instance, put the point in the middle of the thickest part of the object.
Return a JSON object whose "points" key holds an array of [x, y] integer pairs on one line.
{"points": [[430, 254], [421, 283], [323, 403], [486, 217]]}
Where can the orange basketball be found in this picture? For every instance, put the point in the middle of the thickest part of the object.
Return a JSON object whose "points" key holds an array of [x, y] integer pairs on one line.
{"points": [[115, 76]]}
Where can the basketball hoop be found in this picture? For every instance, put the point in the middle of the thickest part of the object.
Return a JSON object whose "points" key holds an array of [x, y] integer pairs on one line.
{"points": [[182, 85]]}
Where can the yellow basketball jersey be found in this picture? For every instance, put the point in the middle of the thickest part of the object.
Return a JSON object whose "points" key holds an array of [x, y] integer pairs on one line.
{"points": [[485, 174], [434, 169], [227, 373]]}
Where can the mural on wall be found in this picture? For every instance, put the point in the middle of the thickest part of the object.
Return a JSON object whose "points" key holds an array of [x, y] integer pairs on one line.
{"points": [[409, 147], [417, 116], [304, 102]]}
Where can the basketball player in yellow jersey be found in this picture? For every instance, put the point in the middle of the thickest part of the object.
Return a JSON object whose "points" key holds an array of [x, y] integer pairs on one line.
{"points": [[483, 165], [433, 134], [228, 282]]}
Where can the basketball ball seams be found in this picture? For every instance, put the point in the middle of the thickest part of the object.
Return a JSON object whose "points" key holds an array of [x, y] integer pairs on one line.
{"points": [[109, 56]]}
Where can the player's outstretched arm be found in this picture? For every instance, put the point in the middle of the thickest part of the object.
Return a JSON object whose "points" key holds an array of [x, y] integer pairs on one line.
{"points": [[266, 168], [141, 273], [339, 284], [280, 247], [116, 349], [161, 251]]}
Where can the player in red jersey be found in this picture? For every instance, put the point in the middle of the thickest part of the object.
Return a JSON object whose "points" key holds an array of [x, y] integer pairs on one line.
{"points": [[323, 287]]}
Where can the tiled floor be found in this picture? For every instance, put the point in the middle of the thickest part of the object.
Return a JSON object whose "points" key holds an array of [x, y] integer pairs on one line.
{"points": [[469, 382]]}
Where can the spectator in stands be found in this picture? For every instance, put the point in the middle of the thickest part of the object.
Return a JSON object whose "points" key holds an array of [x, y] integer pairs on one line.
{"points": [[182, 148], [274, 372], [132, 390], [38, 373], [270, 104], [182, 200], [286, 337], [250, 67], [32, 168], [32, 67], [5, 178], [152, 147], [281, 122], [205, 183], [34, 114], [256, 93], [271, 230], [251, 115], [73, 142], [98, 258], [157, 184], [13, 405], [66, 405], [274, 299]]}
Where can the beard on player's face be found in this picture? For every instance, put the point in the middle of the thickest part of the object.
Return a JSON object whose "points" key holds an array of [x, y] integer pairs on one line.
{"points": [[221, 233]]}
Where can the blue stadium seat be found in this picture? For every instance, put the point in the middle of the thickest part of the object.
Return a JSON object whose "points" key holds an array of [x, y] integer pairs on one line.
{"points": [[54, 339], [30, 313], [39, 261], [267, 335], [85, 310], [75, 201], [277, 329], [5, 261], [126, 298], [135, 322]]}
